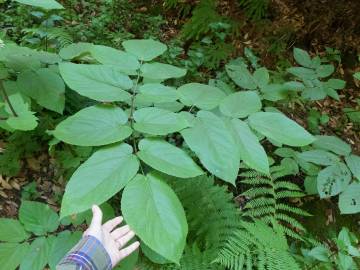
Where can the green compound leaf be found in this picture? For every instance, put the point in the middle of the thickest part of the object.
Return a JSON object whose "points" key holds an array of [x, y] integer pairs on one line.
{"points": [[158, 121], [94, 126], [167, 158], [154, 212], [241, 76], [45, 87], [75, 50], [62, 244], [37, 257], [278, 127], [38, 218], [333, 144], [159, 71], [241, 104], [157, 93], [213, 143], [302, 58], [319, 157], [12, 254], [353, 162], [333, 180], [349, 200], [125, 62], [203, 96], [45, 4], [99, 178], [11, 230], [144, 49], [98, 82], [251, 151]]}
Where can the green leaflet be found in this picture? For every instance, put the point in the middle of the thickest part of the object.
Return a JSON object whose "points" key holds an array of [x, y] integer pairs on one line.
{"points": [[162, 223], [261, 77], [99, 178], [353, 162], [203, 96], [161, 72], [241, 76], [94, 126], [125, 62], [62, 244], [157, 93], [157, 121], [75, 50], [12, 254], [98, 82], [302, 58], [37, 257], [349, 200], [213, 143], [45, 4], [319, 157], [45, 86], [38, 218], [241, 104], [167, 158], [144, 49], [333, 144], [11, 230], [333, 180], [278, 127], [251, 151]]}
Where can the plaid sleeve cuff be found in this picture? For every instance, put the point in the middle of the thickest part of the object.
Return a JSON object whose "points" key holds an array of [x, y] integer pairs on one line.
{"points": [[88, 254]]}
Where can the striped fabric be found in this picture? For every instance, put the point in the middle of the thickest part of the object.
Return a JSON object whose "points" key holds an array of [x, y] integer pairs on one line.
{"points": [[88, 254]]}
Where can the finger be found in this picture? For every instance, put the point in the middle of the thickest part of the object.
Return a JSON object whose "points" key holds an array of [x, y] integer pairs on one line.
{"points": [[96, 219], [112, 223], [122, 241], [128, 250], [119, 232]]}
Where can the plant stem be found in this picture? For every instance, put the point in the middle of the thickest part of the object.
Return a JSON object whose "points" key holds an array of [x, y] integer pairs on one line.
{"points": [[6, 99], [132, 109]]}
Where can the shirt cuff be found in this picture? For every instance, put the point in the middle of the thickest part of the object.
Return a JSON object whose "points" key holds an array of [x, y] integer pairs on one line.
{"points": [[88, 254]]}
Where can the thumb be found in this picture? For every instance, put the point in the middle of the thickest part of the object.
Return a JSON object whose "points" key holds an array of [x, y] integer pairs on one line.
{"points": [[96, 221]]}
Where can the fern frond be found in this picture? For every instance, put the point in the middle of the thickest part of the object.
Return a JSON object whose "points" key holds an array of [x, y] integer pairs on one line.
{"points": [[60, 36], [260, 191], [286, 185], [288, 194], [291, 209]]}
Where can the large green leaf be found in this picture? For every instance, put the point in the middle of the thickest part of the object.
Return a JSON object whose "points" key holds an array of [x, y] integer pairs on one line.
{"points": [[153, 211], [157, 121], [349, 200], [251, 151], [333, 144], [261, 77], [11, 230], [38, 255], [62, 244], [99, 178], [24, 119], [45, 86], [157, 93], [278, 127], [353, 162], [160, 71], [38, 218], [45, 4], [12, 254], [302, 58], [203, 96], [241, 76], [213, 143], [98, 82], [75, 50], [241, 104], [94, 126], [333, 180], [167, 158], [144, 49], [319, 157], [126, 62]]}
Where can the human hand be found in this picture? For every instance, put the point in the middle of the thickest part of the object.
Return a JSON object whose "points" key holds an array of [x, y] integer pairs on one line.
{"points": [[113, 239]]}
